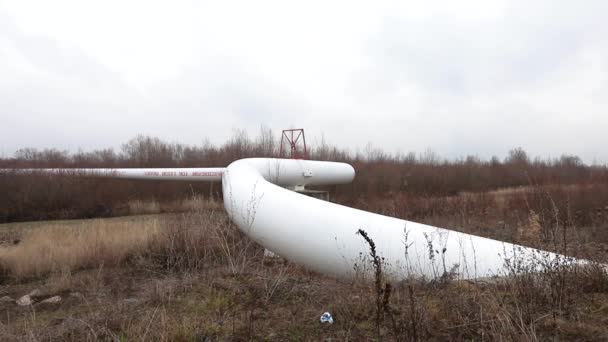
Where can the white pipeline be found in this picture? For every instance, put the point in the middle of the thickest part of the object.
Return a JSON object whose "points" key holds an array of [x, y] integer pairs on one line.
{"points": [[324, 237], [178, 174]]}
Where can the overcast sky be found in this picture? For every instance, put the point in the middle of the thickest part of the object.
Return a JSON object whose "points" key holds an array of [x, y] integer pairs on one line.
{"points": [[458, 77]]}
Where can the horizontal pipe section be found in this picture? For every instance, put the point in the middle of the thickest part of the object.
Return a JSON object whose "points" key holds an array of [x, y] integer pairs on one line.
{"points": [[175, 174]]}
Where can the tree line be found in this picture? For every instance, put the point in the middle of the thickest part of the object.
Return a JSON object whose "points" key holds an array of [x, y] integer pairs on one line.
{"points": [[379, 174]]}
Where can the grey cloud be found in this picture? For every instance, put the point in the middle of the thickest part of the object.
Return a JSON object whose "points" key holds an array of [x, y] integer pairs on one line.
{"points": [[222, 88], [458, 62], [485, 87], [50, 55]]}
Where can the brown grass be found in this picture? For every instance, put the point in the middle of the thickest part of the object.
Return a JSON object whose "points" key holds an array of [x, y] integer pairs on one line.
{"points": [[141, 207], [60, 248], [190, 204], [194, 276], [177, 243]]}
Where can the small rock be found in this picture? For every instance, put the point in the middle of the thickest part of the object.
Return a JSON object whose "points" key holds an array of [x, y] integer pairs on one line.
{"points": [[25, 300], [270, 254], [52, 300], [35, 293], [6, 299]]}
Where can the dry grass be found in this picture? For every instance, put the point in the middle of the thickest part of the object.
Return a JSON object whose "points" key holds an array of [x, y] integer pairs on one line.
{"points": [[139, 207], [196, 203], [530, 230], [190, 204], [176, 243], [193, 276], [60, 248]]}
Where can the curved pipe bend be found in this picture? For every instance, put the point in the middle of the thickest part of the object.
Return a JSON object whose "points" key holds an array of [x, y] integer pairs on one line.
{"points": [[323, 236]]}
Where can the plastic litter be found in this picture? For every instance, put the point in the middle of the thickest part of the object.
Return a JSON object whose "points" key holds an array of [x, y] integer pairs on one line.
{"points": [[326, 318]]}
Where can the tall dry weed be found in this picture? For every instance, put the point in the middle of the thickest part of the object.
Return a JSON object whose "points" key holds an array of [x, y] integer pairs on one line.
{"points": [[530, 231], [140, 207]]}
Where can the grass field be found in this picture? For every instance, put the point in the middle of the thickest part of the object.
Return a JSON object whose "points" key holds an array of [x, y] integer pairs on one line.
{"points": [[193, 277]]}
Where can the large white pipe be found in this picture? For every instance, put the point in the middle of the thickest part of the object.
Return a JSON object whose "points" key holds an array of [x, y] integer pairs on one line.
{"points": [[323, 236]]}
